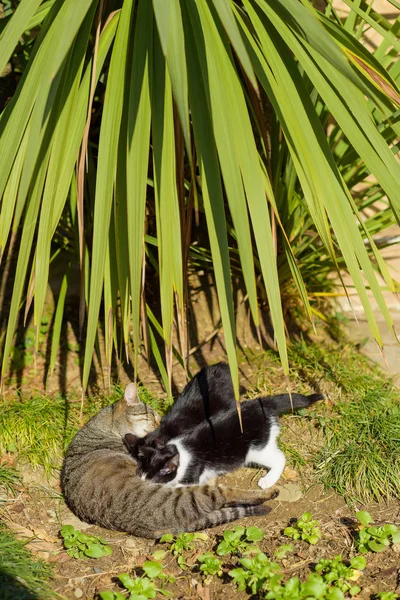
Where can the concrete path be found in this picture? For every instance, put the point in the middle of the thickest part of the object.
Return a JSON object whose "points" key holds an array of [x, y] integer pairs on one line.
{"points": [[357, 327]]}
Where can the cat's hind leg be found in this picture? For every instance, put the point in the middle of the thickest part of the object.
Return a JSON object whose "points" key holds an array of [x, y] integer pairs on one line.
{"points": [[269, 456]]}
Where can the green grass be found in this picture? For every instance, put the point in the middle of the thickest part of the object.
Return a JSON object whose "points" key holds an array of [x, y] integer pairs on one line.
{"points": [[340, 364], [9, 478], [21, 576], [160, 405], [361, 458], [38, 429]]}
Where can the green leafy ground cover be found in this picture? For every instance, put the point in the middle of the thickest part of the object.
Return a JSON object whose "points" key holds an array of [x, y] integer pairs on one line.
{"points": [[251, 570]]}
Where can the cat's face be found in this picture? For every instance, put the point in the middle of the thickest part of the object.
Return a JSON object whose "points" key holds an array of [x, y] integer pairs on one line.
{"points": [[156, 463], [129, 415]]}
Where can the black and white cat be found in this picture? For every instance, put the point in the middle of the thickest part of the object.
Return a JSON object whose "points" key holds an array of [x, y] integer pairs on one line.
{"points": [[218, 446]]}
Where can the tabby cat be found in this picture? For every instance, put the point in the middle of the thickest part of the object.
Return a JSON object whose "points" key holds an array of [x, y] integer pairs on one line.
{"points": [[100, 484]]}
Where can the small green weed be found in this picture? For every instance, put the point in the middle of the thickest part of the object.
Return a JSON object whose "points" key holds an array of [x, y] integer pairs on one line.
{"points": [[314, 587], [281, 551], [260, 574], [210, 565], [142, 587], [374, 539], [239, 540], [9, 478], [81, 545], [305, 529], [335, 571], [257, 573], [180, 543], [386, 596]]}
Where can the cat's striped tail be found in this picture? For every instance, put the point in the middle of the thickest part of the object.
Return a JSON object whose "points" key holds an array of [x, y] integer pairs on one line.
{"points": [[211, 506], [230, 513], [220, 517]]}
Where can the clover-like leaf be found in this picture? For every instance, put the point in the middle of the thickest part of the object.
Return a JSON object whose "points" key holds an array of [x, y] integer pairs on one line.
{"points": [[358, 562], [354, 590], [254, 534], [376, 546], [239, 576], [291, 532], [168, 537], [334, 593], [223, 548], [306, 516], [364, 517], [247, 562], [314, 586], [126, 581], [396, 537], [312, 539], [94, 551], [389, 529], [230, 536], [67, 531], [152, 568]]}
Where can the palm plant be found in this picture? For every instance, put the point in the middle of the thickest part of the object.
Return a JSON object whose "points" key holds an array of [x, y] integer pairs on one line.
{"points": [[258, 117]]}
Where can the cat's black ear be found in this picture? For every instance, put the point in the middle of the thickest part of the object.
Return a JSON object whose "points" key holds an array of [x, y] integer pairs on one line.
{"points": [[132, 443], [171, 466], [170, 451], [145, 451]]}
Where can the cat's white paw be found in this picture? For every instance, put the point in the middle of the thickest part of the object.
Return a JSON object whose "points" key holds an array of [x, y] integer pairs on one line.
{"points": [[263, 483], [267, 481]]}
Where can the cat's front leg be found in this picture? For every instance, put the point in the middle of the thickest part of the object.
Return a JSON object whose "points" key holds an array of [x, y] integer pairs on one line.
{"points": [[275, 461], [208, 474]]}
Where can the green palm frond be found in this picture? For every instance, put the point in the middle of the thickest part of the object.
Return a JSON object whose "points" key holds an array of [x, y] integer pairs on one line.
{"points": [[266, 116]]}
